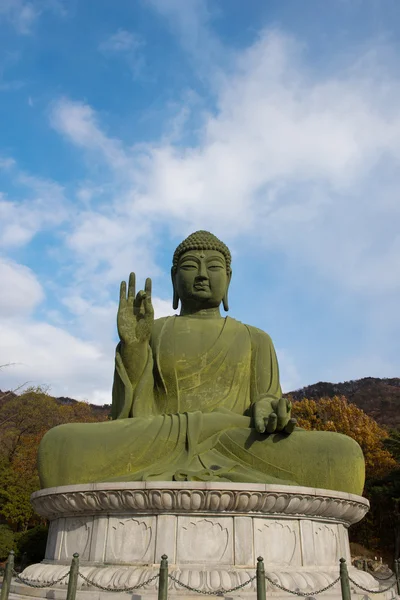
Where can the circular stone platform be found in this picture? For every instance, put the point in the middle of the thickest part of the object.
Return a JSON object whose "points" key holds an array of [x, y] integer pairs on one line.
{"points": [[211, 532]]}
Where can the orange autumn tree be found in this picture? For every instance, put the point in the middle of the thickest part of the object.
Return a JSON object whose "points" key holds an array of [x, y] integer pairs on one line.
{"points": [[24, 419], [339, 415]]}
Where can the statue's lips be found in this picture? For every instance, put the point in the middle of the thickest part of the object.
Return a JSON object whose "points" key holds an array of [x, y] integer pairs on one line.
{"points": [[201, 286]]}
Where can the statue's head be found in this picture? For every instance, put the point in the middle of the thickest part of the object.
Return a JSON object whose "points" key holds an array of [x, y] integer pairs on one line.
{"points": [[201, 271]]}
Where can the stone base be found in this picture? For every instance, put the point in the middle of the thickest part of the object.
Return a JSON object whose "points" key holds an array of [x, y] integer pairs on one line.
{"points": [[212, 534]]}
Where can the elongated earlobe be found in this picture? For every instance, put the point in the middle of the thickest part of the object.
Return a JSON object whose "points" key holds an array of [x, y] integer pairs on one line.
{"points": [[175, 300], [175, 297], [225, 301], [225, 298]]}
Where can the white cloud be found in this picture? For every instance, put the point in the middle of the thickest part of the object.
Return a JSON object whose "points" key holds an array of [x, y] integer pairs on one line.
{"points": [[128, 46], [44, 354], [7, 163], [78, 122], [21, 291], [191, 22], [42, 206], [23, 14], [121, 41]]}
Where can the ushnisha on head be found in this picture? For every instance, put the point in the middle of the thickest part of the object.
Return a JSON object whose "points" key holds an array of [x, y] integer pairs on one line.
{"points": [[201, 272]]}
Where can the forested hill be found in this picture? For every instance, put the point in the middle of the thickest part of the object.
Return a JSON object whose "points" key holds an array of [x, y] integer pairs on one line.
{"points": [[64, 401], [379, 398]]}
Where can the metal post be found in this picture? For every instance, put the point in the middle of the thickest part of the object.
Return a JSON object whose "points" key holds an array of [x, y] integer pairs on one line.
{"points": [[396, 570], [260, 579], [344, 580], [8, 573], [73, 577], [163, 580]]}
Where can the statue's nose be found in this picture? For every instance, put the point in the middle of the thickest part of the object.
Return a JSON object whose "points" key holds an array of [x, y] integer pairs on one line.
{"points": [[202, 274]]}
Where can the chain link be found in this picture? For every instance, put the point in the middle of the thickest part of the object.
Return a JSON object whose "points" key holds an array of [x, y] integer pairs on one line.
{"points": [[35, 583], [124, 589], [372, 591], [381, 578], [302, 594], [219, 592]]}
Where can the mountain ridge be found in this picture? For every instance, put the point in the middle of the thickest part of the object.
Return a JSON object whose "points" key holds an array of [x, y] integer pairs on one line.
{"points": [[378, 397]]}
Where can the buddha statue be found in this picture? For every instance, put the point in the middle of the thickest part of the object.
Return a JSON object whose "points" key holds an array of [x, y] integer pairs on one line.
{"points": [[197, 397]]}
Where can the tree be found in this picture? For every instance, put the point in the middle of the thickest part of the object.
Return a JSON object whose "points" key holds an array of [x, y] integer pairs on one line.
{"points": [[24, 419], [337, 414]]}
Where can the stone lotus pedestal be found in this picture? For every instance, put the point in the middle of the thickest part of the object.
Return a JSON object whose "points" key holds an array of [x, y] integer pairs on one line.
{"points": [[211, 532]]}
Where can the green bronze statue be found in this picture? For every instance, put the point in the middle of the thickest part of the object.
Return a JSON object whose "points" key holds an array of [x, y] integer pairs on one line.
{"points": [[196, 397]]}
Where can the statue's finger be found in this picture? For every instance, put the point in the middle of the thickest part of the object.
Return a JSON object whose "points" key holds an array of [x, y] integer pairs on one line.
{"points": [[259, 423], [290, 427], [122, 292], [271, 423], [137, 303], [281, 414], [132, 285], [288, 405], [147, 287]]}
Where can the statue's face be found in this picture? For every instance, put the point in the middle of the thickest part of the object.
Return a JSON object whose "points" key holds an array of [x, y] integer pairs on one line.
{"points": [[201, 278]]}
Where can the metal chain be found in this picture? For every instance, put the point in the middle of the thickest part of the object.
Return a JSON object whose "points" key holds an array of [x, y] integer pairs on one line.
{"points": [[372, 591], [35, 583], [381, 578], [124, 589], [303, 594], [219, 592]]}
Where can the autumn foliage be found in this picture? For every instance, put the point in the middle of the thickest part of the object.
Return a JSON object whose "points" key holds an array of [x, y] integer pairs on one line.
{"points": [[337, 414], [24, 419]]}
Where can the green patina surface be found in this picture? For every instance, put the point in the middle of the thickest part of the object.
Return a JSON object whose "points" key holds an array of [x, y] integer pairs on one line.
{"points": [[196, 397]]}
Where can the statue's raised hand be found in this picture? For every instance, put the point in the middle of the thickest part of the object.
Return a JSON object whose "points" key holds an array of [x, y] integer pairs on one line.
{"points": [[135, 313], [272, 416]]}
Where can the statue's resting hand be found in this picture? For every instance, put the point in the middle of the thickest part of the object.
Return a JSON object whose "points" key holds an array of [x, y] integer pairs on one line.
{"points": [[135, 316], [271, 416]]}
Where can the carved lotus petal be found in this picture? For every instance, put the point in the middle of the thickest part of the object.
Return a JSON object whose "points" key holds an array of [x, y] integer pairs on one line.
{"points": [[281, 503], [294, 505], [91, 500], [270, 503], [195, 578], [196, 500], [185, 500], [215, 580], [214, 500]]}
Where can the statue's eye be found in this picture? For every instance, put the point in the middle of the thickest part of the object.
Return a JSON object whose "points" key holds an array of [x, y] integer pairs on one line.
{"points": [[215, 267], [187, 266]]}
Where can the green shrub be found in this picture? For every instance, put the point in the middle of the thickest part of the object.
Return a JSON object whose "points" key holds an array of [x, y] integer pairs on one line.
{"points": [[32, 544], [6, 541]]}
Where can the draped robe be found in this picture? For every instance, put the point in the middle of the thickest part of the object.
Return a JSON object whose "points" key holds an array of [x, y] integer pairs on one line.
{"points": [[189, 419]]}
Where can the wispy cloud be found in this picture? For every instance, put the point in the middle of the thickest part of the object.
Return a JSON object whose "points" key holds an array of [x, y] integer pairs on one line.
{"points": [[192, 23], [126, 45], [79, 123], [35, 204], [23, 14]]}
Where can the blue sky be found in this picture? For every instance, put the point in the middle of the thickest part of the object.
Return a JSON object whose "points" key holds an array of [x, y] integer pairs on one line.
{"points": [[127, 125]]}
